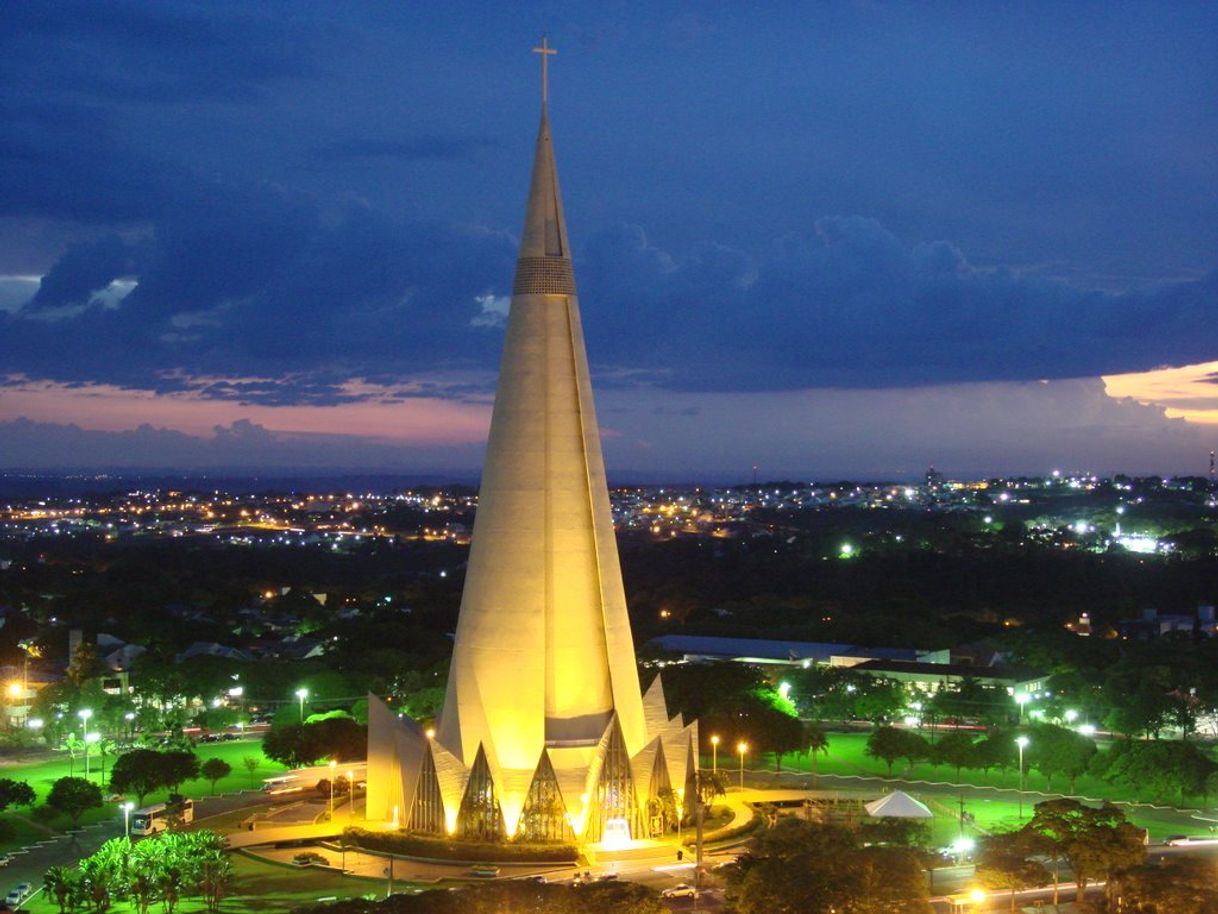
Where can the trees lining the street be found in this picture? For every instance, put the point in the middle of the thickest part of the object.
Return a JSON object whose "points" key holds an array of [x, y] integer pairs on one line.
{"points": [[796, 866], [1095, 841], [142, 771], [74, 797], [300, 745]]}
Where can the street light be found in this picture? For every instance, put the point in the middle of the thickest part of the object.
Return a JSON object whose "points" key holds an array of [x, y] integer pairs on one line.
{"points": [[1022, 699], [976, 896], [302, 694], [1071, 716], [127, 807], [351, 794], [1021, 742], [90, 739], [714, 755], [129, 717], [333, 766], [742, 747]]}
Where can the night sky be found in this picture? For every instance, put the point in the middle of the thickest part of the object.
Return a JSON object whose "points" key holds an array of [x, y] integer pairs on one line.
{"points": [[847, 239]]}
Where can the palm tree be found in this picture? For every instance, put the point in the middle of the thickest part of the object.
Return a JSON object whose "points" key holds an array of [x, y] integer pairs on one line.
{"points": [[818, 742], [170, 884], [59, 883]]}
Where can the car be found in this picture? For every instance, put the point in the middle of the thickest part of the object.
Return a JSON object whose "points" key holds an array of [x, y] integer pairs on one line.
{"points": [[606, 877], [535, 877], [310, 858], [484, 870], [6, 859], [24, 888], [13, 899], [680, 890]]}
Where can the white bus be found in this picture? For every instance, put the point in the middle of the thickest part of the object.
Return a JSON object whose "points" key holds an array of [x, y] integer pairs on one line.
{"points": [[155, 818]]}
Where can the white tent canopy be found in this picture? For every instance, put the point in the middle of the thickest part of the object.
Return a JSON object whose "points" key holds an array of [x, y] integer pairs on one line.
{"points": [[900, 805]]}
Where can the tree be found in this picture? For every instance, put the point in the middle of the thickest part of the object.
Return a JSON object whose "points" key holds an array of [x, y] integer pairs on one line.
{"points": [[1162, 768], [251, 763], [83, 664], [996, 750], [138, 771], [15, 793], [179, 766], [1095, 841], [878, 701], [1058, 750], [955, 749], [886, 744], [300, 745], [817, 741], [798, 867], [1181, 886], [214, 769], [1004, 861], [215, 871], [60, 883], [74, 797]]}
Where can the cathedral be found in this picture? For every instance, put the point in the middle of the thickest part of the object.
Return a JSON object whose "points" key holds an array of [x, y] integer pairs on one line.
{"points": [[545, 735]]}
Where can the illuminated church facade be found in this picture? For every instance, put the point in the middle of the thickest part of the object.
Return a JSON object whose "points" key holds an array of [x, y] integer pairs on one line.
{"points": [[544, 734]]}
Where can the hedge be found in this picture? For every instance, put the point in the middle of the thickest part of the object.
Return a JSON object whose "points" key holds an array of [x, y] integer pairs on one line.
{"points": [[406, 845]]}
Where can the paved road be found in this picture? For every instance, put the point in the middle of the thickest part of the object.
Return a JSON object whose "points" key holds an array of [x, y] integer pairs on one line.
{"points": [[64, 851]]}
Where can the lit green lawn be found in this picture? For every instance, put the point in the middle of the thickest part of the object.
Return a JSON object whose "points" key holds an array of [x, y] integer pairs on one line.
{"points": [[847, 757], [42, 775]]}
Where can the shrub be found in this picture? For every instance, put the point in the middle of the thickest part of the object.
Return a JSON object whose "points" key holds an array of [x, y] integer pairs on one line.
{"points": [[453, 849]]}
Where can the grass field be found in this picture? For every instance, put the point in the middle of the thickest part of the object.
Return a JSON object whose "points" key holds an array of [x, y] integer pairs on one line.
{"points": [[34, 824], [847, 757]]}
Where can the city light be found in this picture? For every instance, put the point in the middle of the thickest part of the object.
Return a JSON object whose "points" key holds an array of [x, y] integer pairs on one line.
{"points": [[1022, 743]]}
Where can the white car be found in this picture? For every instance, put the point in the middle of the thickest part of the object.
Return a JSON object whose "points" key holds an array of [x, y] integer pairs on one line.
{"points": [[680, 890]]}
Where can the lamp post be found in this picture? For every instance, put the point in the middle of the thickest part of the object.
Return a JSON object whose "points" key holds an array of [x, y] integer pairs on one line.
{"points": [[1021, 742], [84, 714], [742, 747], [714, 755], [333, 767], [127, 807], [302, 694], [15, 691], [129, 717], [90, 739]]}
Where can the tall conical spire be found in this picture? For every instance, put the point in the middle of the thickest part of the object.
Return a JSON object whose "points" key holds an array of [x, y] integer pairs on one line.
{"points": [[543, 655], [543, 687]]}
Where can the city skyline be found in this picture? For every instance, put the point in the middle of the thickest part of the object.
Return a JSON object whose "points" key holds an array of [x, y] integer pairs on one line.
{"points": [[852, 241]]}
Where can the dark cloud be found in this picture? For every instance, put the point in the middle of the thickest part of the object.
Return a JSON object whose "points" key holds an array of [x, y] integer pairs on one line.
{"points": [[279, 302], [86, 268], [254, 288]]}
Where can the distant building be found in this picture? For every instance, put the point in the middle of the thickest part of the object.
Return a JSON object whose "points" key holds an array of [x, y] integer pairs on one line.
{"points": [[695, 648], [1153, 624]]}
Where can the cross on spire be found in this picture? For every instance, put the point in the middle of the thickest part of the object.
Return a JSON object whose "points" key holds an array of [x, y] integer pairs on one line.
{"points": [[546, 52]]}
